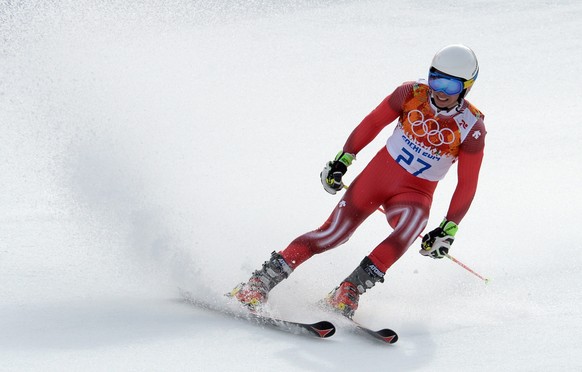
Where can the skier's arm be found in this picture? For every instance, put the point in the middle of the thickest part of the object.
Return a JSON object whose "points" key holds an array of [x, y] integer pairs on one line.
{"points": [[469, 165], [386, 112]]}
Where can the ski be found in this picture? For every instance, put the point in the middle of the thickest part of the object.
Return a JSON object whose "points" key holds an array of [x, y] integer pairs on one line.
{"points": [[322, 329], [385, 335]]}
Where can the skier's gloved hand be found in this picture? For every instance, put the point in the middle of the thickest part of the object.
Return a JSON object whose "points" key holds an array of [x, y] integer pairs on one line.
{"points": [[331, 175], [436, 244]]}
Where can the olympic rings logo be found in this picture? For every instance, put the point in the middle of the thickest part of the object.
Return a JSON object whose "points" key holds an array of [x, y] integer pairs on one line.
{"points": [[421, 128]]}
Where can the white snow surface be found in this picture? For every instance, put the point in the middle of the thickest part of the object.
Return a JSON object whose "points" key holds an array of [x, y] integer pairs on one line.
{"points": [[152, 145]]}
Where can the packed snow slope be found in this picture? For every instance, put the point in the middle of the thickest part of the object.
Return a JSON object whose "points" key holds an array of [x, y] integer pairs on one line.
{"points": [[162, 144]]}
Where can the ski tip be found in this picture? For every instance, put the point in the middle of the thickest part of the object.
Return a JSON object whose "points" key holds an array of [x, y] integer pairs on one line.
{"points": [[323, 329], [387, 335]]}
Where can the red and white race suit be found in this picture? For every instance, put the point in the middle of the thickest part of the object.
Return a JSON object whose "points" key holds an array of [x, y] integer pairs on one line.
{"points": [[402, 177]]}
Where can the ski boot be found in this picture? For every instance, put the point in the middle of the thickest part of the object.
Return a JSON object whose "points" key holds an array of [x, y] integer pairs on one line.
{"points": [[344, 298], [254, 293]]}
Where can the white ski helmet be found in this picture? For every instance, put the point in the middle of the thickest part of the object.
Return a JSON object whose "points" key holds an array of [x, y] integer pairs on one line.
{"points": [[458, 61]]}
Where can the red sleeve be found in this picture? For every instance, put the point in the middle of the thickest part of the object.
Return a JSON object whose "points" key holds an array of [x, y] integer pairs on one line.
{"points": [[386, 112], [469, 164]]}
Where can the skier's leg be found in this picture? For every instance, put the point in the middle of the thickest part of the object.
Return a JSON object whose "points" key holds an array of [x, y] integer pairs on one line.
{"points": [[408, 215], [363, 197], [367, 192], [339, 227], [407, 201], [344, 219]]}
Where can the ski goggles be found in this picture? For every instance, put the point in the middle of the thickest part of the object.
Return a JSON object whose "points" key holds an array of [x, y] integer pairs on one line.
{"points": [[449, 85]]}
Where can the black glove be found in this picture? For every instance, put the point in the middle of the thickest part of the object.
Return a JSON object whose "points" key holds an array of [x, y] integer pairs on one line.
{"points": [[332, 173], [436, 244]]}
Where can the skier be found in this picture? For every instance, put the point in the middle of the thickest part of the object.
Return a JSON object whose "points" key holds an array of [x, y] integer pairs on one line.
{"points": [[436, 127]]}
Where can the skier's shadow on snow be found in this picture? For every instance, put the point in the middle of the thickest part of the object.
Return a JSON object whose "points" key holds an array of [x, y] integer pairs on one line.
{"points": [[348, 350]]}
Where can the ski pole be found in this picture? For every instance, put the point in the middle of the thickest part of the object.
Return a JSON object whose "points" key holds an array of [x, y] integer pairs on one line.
{"points": [[486, 280]]}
